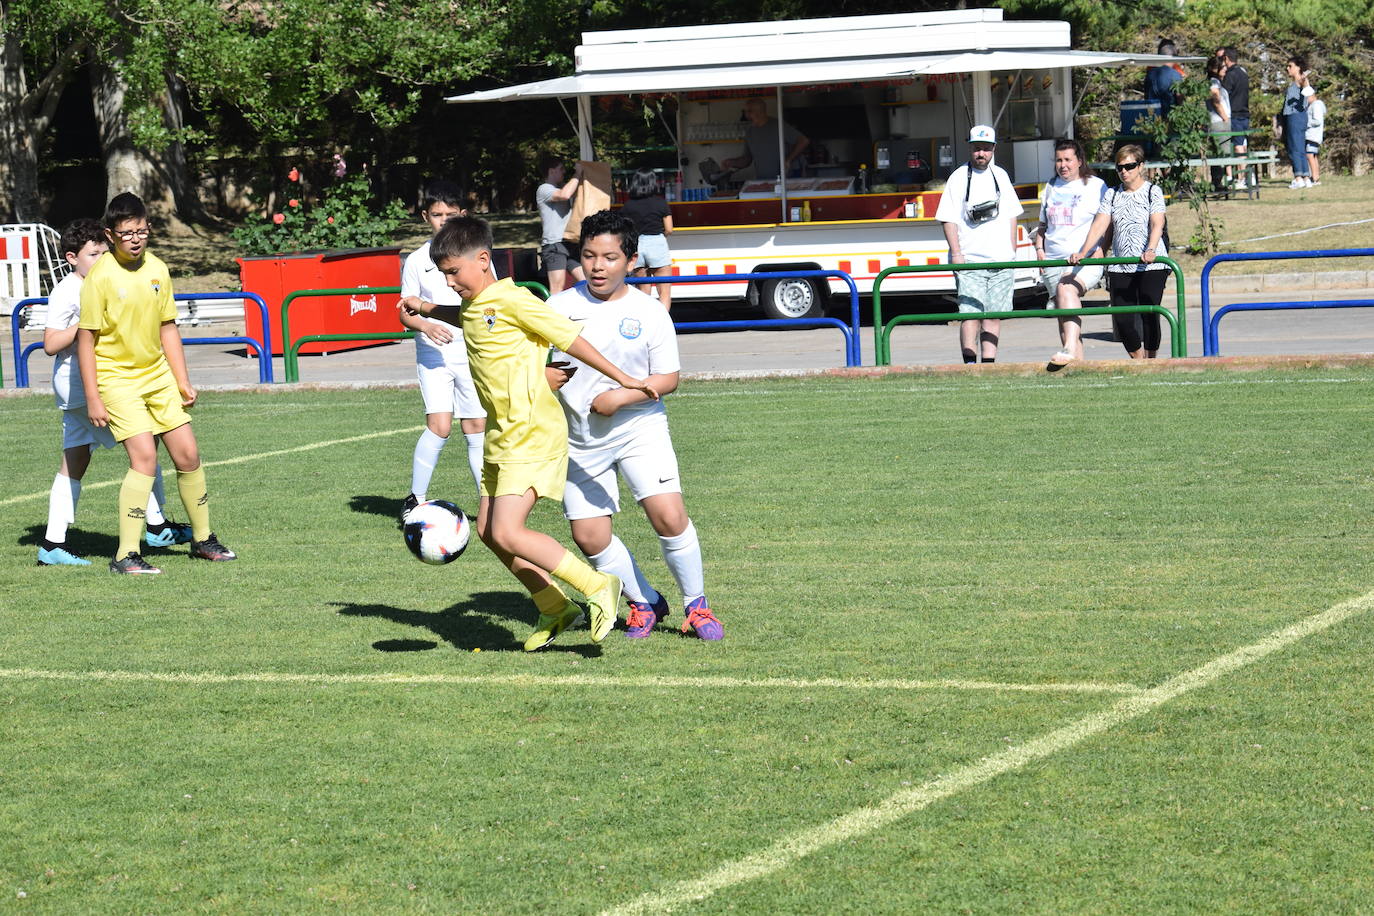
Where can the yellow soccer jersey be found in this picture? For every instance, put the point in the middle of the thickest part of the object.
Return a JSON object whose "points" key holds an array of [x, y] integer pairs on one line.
{"points": [[127, 309], [508, 331]]}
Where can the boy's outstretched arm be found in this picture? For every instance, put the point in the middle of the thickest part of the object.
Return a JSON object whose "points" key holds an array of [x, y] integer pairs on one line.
{"points": [[590, 355]]}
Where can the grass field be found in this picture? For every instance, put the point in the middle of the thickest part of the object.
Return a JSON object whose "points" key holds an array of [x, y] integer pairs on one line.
{"points": [[1076, 644]]}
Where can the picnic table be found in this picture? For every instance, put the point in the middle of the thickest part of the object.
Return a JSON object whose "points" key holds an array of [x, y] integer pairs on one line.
{"points": [[1251, 162]]}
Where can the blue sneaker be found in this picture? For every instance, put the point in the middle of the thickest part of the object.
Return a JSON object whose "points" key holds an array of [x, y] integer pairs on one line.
{"points": [[701, 621], [640, 623], [59, 556], [167, 534]]}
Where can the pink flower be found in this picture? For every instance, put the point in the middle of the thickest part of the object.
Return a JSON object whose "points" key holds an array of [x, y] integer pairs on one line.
{"points": [[278, 218], [293, 202], [293, 175], [330, 220]]}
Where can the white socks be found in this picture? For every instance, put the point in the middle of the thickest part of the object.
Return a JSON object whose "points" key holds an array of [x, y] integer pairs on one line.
{"points": [[62, 500], [474, 441], [617, 560], [422, 466], [682, 553]]}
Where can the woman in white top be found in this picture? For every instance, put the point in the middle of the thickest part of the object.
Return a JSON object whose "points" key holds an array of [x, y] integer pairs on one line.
{"points": [[1218, 116], [1068, 205], [1135, 213]]}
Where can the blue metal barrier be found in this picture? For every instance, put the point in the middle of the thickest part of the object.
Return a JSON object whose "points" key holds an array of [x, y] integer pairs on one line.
{"points": [[1210, 345], [852, 355], [262, 347]]}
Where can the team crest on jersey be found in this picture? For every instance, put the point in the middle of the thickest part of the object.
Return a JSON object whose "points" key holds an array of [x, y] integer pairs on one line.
{"points": [[630, 328], [157, 286], [489, 316]]}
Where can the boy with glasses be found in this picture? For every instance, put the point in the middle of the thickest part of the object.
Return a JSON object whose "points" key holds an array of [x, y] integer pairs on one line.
{"points": [[133, 370]]}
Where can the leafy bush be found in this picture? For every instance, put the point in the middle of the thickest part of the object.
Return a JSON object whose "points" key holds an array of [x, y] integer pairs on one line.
{"points": [[342, 218]]}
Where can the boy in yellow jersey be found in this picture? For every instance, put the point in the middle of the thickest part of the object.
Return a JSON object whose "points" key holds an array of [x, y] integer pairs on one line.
{"points": [[134, 372], [508, 332]]}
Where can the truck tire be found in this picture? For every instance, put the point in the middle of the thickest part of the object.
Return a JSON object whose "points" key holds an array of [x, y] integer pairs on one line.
{"points": [[791, 297]]}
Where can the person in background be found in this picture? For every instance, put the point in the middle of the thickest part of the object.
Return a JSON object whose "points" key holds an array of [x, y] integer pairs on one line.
{"points": [[1135, 213], [1219, 116], [553, 198], [1294, 123], [1159, 81], [1068, 205], [978, 213], [761, 143], [1236, 82], [1316, 125], [652, 218]]}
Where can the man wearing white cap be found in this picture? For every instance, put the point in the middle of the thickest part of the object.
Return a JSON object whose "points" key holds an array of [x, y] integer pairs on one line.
{"points": [[979, 209]]}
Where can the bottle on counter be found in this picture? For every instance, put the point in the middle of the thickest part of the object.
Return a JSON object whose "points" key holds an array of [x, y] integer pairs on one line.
{"points": [[863, 178], [806, 211]]}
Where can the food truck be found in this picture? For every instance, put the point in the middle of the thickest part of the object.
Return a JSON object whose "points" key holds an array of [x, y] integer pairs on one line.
{"points": [[886, 103]]}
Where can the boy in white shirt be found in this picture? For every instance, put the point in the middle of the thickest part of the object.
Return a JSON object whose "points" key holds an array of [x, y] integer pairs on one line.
{"points": [[441, 357], [1316, 126], [1068, 205], [978, 211], [82, 243], [615, 432]]}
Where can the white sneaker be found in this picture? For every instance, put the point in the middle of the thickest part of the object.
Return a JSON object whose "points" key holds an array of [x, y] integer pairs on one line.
{"points": [[1314, 184], [1295, 184], [1307, 181], [1241, 185]]}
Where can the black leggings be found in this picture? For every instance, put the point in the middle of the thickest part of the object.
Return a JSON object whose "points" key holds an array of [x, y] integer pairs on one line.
{"points": [[1144, 287]]}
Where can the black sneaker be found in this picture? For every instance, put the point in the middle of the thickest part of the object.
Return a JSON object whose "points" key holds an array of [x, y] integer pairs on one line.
{"points": [[409, 503], [134, 565], [211, 549]]}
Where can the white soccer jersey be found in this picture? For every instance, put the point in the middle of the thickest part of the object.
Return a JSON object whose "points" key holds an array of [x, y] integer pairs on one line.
{"points": [[635, 333], [64, 310], [420, 277]]}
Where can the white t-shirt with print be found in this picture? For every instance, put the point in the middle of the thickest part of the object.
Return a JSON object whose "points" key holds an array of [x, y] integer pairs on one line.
{"points": [[991, 240], [1067, 209], [635, 333], [64, 311], [420, 277]]}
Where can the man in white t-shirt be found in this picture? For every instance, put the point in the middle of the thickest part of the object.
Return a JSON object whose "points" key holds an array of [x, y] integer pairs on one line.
{"points": [[979, 208], [615, 433], [554, 200], [82, 243], [441, 356], [1068, 205]]}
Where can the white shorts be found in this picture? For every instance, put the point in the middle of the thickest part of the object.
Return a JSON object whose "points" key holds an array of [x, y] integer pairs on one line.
{"points": [[646, 461], [449, 389], [653, 252], [77, 429], [1088, 276]]}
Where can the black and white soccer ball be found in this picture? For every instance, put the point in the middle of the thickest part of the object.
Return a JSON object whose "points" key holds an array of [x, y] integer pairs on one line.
{"points": [[437, 532]]}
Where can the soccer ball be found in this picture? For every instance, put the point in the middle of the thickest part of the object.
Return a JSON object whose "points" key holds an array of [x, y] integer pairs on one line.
{"points": [[437, 532]]}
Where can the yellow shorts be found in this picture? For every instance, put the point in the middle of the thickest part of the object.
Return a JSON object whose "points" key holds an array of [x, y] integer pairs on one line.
{"points": [[151, 405], [546, 478]]}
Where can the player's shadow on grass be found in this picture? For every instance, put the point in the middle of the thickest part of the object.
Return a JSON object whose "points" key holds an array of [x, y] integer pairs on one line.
{"points": [[464, 626], [82, 543], [388, 506]]}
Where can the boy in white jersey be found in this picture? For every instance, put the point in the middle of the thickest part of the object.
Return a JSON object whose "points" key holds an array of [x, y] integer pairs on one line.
{"points": [[441, 357], [82, 243], [615, 432]]}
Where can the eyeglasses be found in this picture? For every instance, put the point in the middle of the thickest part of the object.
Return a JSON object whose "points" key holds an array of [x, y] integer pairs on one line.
{"points": [[127, 234], [1126, 166]]}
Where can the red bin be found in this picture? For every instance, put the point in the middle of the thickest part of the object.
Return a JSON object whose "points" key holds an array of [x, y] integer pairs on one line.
{"points": [[274, 277]]}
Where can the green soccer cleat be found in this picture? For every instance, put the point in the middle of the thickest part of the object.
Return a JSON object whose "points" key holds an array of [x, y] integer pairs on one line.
{"points": [[603, 606], [550, 627]]}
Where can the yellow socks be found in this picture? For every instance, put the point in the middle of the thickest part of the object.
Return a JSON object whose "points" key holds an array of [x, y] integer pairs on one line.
{"points": [[191, 486], [578, 574], [550, 600], [133, 511]]}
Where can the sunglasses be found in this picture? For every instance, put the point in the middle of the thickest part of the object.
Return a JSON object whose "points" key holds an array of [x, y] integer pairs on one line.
{"points": [[1126, 166]]}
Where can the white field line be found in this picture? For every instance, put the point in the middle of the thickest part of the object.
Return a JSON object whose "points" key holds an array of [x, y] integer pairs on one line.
{"points": [[557, 680], [241, 459], [864, 821], [1048, 385]]}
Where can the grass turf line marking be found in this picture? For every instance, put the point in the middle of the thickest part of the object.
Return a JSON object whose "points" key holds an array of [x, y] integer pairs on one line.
{"points": [[241, 459], [864, 821], [556, 680]]}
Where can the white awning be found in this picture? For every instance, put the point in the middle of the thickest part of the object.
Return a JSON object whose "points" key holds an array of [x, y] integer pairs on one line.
{"points": [[807, 73]]}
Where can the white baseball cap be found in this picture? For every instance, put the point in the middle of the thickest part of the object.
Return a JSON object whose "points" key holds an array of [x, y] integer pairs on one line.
{"points": [[982, 134]]}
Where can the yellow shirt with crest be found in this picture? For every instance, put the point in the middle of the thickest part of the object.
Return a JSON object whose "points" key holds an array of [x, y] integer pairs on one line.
{"points": [[508, 331], [126, 308]]}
